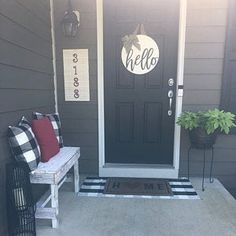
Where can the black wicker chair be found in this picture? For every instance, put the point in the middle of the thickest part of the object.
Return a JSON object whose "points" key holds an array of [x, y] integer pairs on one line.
{"points": [[20, 202]]}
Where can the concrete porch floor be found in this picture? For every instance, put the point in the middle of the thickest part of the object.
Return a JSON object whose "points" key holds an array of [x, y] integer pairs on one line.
{"points": [[214, 214]]}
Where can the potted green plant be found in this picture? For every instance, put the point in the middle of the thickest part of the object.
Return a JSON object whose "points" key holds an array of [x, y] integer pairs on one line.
{"points": [[203, 127]]}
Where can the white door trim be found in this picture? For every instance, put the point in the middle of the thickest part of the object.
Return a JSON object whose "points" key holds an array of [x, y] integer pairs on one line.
{"points": [[139, 170], [54, 54]]}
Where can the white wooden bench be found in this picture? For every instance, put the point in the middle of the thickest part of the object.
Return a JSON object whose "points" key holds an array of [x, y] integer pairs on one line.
{"points": [[54, 173]]}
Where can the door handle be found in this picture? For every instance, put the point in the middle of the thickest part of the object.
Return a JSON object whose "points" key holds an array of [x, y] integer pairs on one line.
{"points": [[170, 96]]}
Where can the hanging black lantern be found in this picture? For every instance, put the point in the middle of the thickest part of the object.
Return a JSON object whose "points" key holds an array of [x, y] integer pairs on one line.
{"points": [[70, 22]]}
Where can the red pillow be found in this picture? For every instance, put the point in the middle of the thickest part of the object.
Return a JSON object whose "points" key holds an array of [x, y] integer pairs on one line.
{"points": [[46, 138]]}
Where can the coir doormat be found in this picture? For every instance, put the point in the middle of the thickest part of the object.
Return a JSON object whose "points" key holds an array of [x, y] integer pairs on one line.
{"points": [[138, 186], [181, 189]]}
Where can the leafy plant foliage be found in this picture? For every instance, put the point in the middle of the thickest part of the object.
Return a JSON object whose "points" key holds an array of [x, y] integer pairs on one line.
{"points": [[214, 120]]}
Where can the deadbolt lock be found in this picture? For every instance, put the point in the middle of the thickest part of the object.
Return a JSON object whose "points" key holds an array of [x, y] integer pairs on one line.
{"points": [[171, 82]]}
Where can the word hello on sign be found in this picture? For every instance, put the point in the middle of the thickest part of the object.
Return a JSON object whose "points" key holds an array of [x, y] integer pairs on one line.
{"points": [[143, 59]]}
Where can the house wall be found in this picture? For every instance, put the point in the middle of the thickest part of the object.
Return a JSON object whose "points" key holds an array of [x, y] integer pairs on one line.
{"points": [[79, 119], [206, 28], [26, 75], [205, 44]]}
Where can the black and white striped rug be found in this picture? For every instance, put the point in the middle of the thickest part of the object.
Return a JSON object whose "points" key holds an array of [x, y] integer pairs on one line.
{"points": [[181, 188]]}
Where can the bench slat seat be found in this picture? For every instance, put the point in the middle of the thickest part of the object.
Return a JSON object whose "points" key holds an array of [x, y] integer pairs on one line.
{"points": [[54, 173], [54, 170]]}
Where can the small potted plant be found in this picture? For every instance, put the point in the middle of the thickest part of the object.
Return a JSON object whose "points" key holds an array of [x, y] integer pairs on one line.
{"points": [[203, 127]]}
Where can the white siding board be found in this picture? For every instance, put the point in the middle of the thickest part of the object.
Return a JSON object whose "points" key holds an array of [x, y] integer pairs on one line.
{"points": [[207, 17], [203, 66], [207, 4], [206, 34], [199, 97], [204, 50], [202, 81], [194, 107]]}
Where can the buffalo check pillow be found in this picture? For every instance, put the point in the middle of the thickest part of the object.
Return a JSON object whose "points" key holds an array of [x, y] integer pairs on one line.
{"points": [[56, 124], [23, 144]]}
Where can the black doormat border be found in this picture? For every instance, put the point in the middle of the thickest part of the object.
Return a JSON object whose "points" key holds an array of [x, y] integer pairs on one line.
{"points": [[181, 188]]}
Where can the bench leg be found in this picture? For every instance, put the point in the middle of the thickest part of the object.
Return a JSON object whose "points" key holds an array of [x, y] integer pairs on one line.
{"points": [[76, 176], [54, 204]]}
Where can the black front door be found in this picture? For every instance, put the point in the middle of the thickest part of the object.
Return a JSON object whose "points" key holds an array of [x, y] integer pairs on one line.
{"points": [[139, 114]]}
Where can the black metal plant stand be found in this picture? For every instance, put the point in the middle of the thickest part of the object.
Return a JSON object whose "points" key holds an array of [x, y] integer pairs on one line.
{"points": [[204, 162], [20, 203]]}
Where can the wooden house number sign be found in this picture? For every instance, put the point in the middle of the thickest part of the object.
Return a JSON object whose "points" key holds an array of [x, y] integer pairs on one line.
{"points": [[76, 74]]}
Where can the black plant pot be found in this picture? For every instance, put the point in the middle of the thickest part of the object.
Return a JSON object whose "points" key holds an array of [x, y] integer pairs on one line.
{"points": [[200, 139]]}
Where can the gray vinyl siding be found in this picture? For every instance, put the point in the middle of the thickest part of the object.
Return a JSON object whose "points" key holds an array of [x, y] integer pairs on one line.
{"points": [[204, 58], [26, 79], [228, 101], [79, 119], [26, 75], [205, 45]]}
